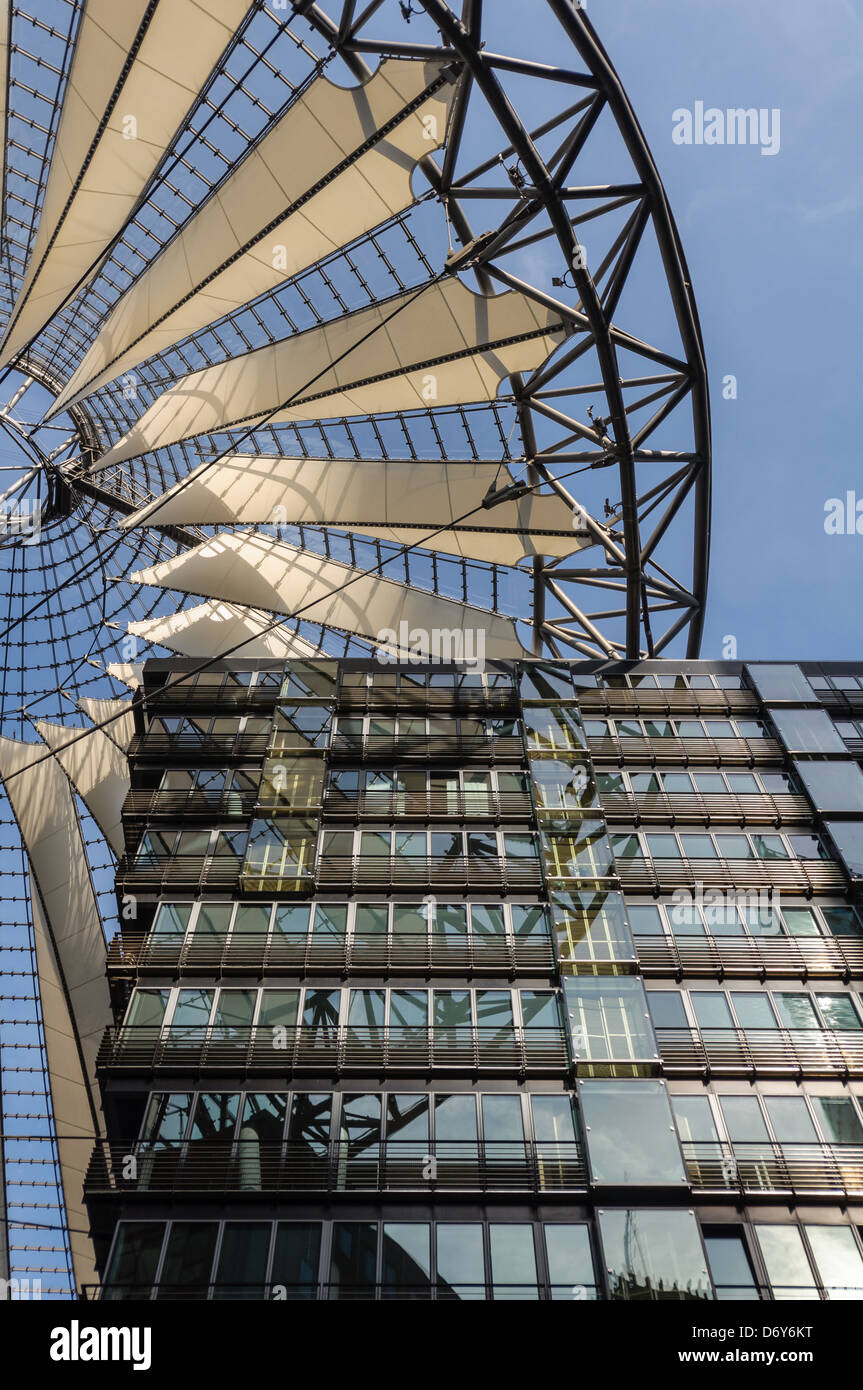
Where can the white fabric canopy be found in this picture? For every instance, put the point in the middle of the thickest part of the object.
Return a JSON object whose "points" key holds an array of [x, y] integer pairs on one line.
{"points": [[212, 629], [98, 771], [115, 126], [70, 957], [443, 345], [396, 500], [122, 725], [131, 673], [270, 574], [337, 164]]}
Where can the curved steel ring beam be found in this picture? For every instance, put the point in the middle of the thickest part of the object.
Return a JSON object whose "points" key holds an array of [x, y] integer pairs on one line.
{"points": [[463, 37]]}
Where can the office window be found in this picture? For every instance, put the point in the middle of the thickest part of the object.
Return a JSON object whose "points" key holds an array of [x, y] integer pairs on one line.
{"points": [[296, 1254], [570, 1264], [460, 1260], [730, 1266], [513, 1261], [838, 1261], [242, 1267], [838, 1118], [406, 1259], [654, 1255], [785, 1260], [353, 1259], [134, 1260], [188, 1259], [629, 1132]]}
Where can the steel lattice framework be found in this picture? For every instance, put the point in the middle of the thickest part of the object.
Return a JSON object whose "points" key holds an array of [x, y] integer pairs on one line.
{"points": [[539, 188]]}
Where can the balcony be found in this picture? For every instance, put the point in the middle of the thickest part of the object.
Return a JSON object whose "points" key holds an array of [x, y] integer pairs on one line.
{"points": [[398, 1291], [686, 752], [305, 952], [805, 876], [810, 1052], [197, 748], [471, 699], [472, 748], [414, 872], [764, 957], [692, 808], [190, 871], [647, 700], [216, 698], [425, 1167], [429, 805], [765, 1169], [332, 1050], [198, 803]]}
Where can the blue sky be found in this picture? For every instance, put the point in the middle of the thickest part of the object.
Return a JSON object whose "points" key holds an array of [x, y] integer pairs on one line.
{"points": [[776, 254]]}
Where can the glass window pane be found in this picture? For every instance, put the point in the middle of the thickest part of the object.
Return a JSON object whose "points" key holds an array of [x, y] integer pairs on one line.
{"points": [[242, 1268], [278, 1008], [570, 1265], [790, 1118], [608, 1018], [786, 1263], [667, 1009], [833, 786], [455, 1118], [502, 1118], [188, 1259], [134, 1259], [553, 1119], [215, 1116], [513, 1260], [460, 1263], [654, 1255], [795, 1010], [807, 731], [295, 1259], [629, 1132], [711, 1009], [694, 1119], [730, 1266], [838, 1118], [743, 1119], [837, 1256], [753, 1010], [779, 682], [172, 919], [837, 1011], [406, 1258], [353, 1259]]}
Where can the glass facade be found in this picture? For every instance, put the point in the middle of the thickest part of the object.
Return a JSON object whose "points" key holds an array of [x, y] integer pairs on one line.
{"points": [[552, 971]]}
